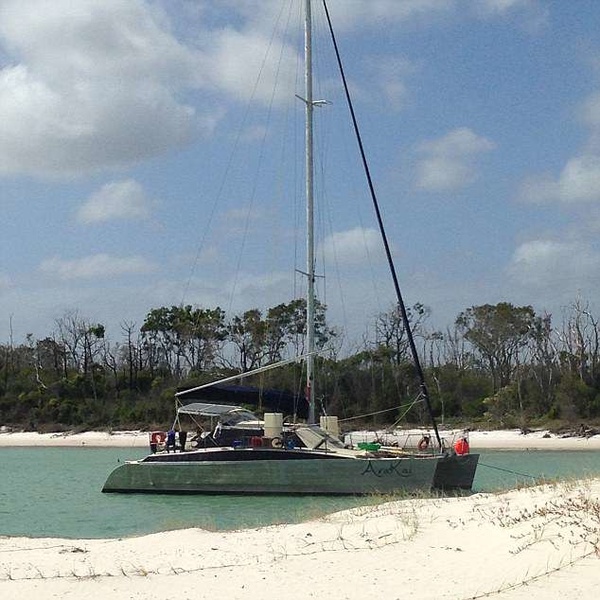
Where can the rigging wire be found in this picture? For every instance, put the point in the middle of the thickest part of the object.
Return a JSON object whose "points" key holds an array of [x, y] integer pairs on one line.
{"points": [[383, 411], [392, 268], [228, 167], [260, 158]]}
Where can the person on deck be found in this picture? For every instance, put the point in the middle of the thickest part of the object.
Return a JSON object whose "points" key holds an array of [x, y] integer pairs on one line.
{"points": [[170, 440], [182, 440], [197, 440]]}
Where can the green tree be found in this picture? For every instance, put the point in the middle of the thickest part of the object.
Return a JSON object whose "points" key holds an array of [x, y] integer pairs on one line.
{"points": [[580, 341], [247, 332], [183, 338], [499, 333], [286, 329], [391, 337], [544, 365]]}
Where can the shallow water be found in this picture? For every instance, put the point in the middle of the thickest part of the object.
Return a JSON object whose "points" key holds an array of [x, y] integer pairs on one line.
{"points": [[55, 492], [502, 469]]}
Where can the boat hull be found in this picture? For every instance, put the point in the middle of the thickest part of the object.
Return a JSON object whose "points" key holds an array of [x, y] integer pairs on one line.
{"points": [[300, 476], [455, 472]]}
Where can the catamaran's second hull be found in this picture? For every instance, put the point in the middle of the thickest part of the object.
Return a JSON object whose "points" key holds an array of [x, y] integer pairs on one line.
{"points": [[311, 476], [455, 472]]}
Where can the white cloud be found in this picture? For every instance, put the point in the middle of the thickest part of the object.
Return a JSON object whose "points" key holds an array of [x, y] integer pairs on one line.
{"points": [[554, 264], [448, 162], [275, 62], [90, 85], [578, 182], [580, 179], [100, 84], [117, 200], [352, 247], [95, 266]]}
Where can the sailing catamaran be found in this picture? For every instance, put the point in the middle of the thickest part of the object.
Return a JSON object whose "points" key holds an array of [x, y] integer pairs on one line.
{"points": [[304, 459]]}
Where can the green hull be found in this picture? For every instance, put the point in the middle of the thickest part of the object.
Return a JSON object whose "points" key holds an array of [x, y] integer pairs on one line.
{"points": [[455, 472], [314, 476]]}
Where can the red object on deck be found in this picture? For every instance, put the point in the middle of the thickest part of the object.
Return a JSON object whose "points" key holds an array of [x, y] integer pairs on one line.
{"points": [[157, 437], [462, 446]]}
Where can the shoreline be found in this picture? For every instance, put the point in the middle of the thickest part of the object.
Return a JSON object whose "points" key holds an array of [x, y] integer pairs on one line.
{"points": [[91, 439], [479, 440]]}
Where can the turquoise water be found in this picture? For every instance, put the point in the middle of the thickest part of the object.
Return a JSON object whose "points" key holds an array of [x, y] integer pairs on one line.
{"points": [[55, 492]]}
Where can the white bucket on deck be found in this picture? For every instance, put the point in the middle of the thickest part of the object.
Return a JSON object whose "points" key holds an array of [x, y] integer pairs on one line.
{"points": [[273, 425], [330, 425]]}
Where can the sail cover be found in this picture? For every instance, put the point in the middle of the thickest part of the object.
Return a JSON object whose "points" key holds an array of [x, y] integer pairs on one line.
{"points": [[271, 400]]}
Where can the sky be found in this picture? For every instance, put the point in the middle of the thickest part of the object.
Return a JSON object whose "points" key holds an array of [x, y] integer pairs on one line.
{"points": [[151, 155]]}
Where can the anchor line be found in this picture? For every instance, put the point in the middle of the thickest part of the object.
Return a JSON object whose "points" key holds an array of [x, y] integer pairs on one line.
{"points": [[508, 471]]}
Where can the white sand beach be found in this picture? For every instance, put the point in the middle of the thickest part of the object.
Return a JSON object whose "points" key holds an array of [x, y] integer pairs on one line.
{"points": [[479, 440], [98, 439], [539, 542]]}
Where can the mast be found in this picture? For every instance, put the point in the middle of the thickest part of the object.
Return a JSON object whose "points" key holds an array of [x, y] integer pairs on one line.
{"points": [[310, 243]]}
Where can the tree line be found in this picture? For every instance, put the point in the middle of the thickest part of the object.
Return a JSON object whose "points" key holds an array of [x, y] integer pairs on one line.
{"points": [[501, 364]]}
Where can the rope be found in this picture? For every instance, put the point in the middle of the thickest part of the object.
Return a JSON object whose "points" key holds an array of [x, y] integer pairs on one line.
{"points": [[379, 412], [385, 410], [507, 471], [418, 399]]}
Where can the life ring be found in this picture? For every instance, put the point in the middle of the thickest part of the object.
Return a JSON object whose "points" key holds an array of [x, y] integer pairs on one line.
{"points": [[157, 437], [423, 443], [276, 443]]}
